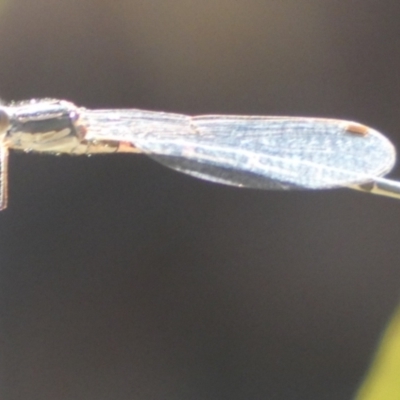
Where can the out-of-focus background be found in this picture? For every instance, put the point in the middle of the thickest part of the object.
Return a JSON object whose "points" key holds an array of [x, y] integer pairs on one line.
{"points": [[121, 279]]}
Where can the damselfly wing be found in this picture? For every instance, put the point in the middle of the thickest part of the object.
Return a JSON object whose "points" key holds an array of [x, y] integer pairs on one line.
{"points": [[257, 152]]}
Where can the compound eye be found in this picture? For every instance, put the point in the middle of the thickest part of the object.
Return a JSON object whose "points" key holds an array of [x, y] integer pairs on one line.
{"points": [[4, 120]]}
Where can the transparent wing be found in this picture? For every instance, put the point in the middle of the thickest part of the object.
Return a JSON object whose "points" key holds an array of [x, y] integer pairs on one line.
{"points": [[260, 152]]}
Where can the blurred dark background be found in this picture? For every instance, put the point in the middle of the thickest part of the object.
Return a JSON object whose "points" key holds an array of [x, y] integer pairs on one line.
{"points": [[121, 279]]}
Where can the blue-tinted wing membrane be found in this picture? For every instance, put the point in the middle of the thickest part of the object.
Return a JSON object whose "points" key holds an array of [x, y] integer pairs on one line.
{"points": [[272, 152], [261, 152]]}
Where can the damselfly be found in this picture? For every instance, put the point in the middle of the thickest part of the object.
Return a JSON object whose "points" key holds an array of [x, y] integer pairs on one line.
{"points": [[246, 151]]}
